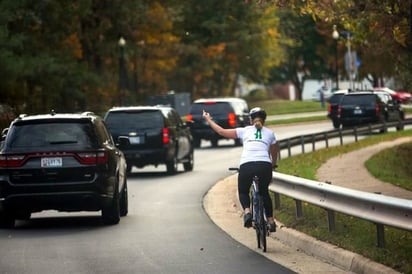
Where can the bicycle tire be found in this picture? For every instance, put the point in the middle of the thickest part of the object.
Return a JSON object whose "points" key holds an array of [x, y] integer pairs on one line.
{"points": [[255, 221], [262, 225]]}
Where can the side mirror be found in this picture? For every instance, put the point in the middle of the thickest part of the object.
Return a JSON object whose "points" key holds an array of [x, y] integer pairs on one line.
{"points": [[4, 133]]}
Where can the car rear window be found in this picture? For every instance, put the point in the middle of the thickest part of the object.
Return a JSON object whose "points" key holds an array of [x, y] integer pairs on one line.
{"points": [[211, 107], [334, 99], [26, 135], [363, 99], [120, 120]]}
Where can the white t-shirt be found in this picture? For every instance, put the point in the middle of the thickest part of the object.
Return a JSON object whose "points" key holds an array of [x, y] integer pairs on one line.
{"points": [[255, 144]]}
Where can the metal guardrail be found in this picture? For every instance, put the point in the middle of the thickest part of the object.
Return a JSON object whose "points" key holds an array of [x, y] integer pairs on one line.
{"points": [[288, 143], [379, 209]]}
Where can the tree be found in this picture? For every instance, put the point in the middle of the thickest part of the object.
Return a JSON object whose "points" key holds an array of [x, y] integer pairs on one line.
{"points": [[305, 54], [224, 38]]}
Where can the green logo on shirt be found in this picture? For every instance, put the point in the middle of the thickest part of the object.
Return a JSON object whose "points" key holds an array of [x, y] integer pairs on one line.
{"points": [[258, 134]]}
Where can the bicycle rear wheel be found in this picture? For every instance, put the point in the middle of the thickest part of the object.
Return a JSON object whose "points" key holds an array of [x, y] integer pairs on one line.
{"points": [[262, 225], [255, 214]]}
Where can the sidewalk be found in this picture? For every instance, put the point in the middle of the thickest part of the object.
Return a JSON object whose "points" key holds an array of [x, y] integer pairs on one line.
{"points": [[295, 250]]}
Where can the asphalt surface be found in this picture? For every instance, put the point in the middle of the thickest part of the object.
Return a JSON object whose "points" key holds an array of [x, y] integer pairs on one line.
{"points": [[295, 250]]}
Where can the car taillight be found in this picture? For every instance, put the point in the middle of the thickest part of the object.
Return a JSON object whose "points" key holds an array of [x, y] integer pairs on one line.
{"points": [[12, 160], [92, 158], [165, 137], [189, 118], [377, 110], [329, 108], [231, 119]]}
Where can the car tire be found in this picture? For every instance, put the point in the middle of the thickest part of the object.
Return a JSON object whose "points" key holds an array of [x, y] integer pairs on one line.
{"points": [[6, 220], [111, 213], [401, 125], [196, 142], [188, 166], [238, 142], [129, 169], [214, 142], [124, 200], [171, 166], [336, 124]]}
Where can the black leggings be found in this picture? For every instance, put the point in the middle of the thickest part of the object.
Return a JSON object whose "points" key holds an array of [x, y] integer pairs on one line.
{"points": [[246, 172]]}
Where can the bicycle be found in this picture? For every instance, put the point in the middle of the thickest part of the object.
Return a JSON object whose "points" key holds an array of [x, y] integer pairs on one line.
{"points": [[259, 220]]}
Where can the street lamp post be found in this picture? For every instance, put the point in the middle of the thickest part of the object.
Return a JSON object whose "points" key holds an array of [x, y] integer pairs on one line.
{"points": [[349, 58], [335, 35], [122, 84]]}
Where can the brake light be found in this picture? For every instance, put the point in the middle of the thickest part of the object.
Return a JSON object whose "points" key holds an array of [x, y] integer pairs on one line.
{"points": [[12, 160], [231, 119], [377, 110], [189, 118], [165, 137], [329, 108], [92, 158], [210, 103]]}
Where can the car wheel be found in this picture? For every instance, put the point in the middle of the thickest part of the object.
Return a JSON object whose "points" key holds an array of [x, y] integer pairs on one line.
{"points": [[400, 125], [124, 200], [6, 220], [129, 168], [196, 142], [188, 166], [172, 166], [214, 142], [336, 124], [23, 215], [111, 213]]}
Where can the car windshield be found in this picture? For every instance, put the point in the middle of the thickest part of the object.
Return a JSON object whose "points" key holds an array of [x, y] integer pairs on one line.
{"points": [[120, 121], [49, 134]]}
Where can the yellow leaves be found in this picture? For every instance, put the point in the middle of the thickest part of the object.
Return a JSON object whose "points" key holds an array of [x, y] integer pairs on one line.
{"points": [[214, 51], [72, 44]]}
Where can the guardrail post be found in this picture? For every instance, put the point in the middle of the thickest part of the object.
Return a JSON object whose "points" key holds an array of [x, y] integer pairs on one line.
{"points": [[276, 200], [313, 142], [302, 142], [340, 137], [289, 150], [355, 132], [380, 235], [325, 135], [331, 220], [299, 211]]}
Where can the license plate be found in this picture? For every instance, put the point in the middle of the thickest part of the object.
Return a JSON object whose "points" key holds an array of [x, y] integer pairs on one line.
{"points": [[357, 111], [51, 162], [136, 140]]}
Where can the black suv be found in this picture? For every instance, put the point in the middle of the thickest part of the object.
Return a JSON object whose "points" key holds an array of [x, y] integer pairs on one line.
{"points": [[156, 135], [226, 112], [363, 107], [65, 162]]}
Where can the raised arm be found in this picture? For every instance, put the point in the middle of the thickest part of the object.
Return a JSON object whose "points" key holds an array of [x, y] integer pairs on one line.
{"points": [[225, 132]]}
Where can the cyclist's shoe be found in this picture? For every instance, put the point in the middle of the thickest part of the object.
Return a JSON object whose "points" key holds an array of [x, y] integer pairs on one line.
{"points": [[272, 227], [247, 219]]}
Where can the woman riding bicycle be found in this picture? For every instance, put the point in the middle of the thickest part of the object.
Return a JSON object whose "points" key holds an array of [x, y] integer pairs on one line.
{"points": [[259, 157]]}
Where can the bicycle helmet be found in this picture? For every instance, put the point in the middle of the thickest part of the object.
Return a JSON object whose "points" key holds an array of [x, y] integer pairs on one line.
{"points": [[257, 112]]}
